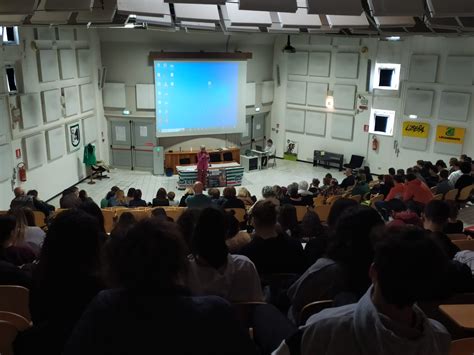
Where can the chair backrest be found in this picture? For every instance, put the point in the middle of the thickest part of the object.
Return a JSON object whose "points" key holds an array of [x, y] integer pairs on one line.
{"points": [[457, 236], [15, 299], [312, 309], [356, 198], [318, 201], [20, 323], [451, 195], [8, 333], [300, 212], [333, 199], [58, 211], [467, 244], [462, 347], [323, 212], [239, 213], [40, 219], [465, 193], [109, 219], [174, 212], [438, 197], [356, 161]]}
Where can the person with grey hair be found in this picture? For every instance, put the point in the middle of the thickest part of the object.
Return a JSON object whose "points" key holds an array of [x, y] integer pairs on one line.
{"points": [[294, 198], [303, 187]]}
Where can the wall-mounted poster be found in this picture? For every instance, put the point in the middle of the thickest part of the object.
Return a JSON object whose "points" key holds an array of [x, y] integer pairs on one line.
{"points": [[415, 135], [449, 140], [74, 136], [291, 150]]}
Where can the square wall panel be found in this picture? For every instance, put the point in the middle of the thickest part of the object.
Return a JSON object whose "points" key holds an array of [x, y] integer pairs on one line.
{"points": [[268, 89], [459, 70], [419, 103], [344, 96], [6, 162], [87, 97], [298, 63], [48, 65], [35, 151], [71, 99], [31, 111], [320, 64], [145, 96], [251, 94], [66, 34], [342, 127], [84, 63], [295, 120], [454, 106], [296, 92], [67, 64], [317, 94], [347, 65], [423, 68], [90, 130], [114, 95], [316, 123], [56, 142], [52, 110], [300, 19]]}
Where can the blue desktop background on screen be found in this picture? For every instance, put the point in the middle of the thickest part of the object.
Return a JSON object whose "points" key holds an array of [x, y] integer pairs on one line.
{"points": [[196, 95]]}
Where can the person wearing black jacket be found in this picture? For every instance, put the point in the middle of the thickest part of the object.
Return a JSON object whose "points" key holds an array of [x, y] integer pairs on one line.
{"points": [[40, 205]]}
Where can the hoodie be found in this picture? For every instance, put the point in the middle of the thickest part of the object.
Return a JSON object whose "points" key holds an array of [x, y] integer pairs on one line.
{"points": [[417, 191]]}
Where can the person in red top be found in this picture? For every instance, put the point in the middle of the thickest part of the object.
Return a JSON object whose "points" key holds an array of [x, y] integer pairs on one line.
{"points": [[398, 190], [417, 191], [202, 165]]}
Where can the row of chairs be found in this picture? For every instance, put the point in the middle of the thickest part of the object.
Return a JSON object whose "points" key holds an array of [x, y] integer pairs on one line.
{"points": [[455, 195]]}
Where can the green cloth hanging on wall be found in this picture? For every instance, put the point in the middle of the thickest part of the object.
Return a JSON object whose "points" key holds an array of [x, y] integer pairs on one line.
{"points": [[89, 155]]}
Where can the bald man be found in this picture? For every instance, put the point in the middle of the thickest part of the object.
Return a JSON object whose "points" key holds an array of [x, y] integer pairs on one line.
{"points": [[198, 200], [21, 200]]}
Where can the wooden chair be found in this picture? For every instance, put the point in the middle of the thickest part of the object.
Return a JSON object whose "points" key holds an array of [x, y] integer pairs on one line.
{"points": [[465, 194], [40, 219], [318, 201], [376, 198], [438, 197], [462, 347], [467, 244], [8, 333], [451, 195], [323, 212], [356, 198], [244, 312], [457, 236], [20, 323], [109, 219], [333, 199], [312, 309], [175, 212], [300, 212], [2, 213], [239, 213], [15, 299]]}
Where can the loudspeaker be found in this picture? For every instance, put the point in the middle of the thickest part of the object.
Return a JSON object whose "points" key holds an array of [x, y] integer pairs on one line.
{"points": [[158, 161]]}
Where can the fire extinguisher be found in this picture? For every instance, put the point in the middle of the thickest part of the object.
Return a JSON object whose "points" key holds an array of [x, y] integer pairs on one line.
{"points": [[375, 144], [22, 172]]}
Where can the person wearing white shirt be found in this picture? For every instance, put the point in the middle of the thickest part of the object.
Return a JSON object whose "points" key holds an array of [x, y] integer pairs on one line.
{"points": [[270, 148], [456, 174]]}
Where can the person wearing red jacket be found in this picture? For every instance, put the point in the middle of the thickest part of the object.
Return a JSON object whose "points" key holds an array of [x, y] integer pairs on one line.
{"points": [[417, 191]]}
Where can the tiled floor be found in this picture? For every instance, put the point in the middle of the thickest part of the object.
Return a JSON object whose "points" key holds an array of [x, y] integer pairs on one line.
{"points": [[284, 173]]}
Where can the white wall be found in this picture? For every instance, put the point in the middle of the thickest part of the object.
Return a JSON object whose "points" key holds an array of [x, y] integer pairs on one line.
{"points": [[53, 176], [125, 54], [376, 51]]}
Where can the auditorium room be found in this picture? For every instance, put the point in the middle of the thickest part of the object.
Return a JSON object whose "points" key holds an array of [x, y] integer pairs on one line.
{"points": [[261, 177]]}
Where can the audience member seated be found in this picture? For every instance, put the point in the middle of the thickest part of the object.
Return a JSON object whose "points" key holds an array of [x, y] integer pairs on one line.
{"points": [[345, 266], [15, 249], [213, 271], [288, 221], [452, 162], [295, 199], [315, 235], [186, 223], [401, 172], [27, 231], [230, 199], [392, 172], [92, 209], [21, 199], [215, 196], [188, 192], [118, 199], [171, 199], [137, 200], [279, 192], [338, 209], [65, 281], [160, 213], [130, 194], [314, 188], [456, 174], [246, 197], [454, 225], [326, 181], [125, 222], [84, 197], [348, 181], [387, 185], [198, 200], [404, 214], [271, 251], [10, 274], [104, 203], [236, 239], [70, 198], [361, 187], [40, 205], [303, 189], [386, 320], [440, 164], [444, 186], [433, 178], [146, 274], [417, 191], [466, 178], [161, 198]]}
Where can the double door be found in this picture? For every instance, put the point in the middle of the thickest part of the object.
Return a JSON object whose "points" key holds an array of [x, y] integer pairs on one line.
{"points": [[254, 133], [132, 143]]}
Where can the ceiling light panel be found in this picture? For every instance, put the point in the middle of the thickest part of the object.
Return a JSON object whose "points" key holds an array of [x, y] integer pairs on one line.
{"points": [[50, 17], [397, 8], [72, 5], [198, 25], [335, 7], [451, 8], [245, 17], [12, 19], [18, 6], [299, 19], [155, 20], [268, 5], [193, 12], [143, 7], [347, 21], [394, 21]]}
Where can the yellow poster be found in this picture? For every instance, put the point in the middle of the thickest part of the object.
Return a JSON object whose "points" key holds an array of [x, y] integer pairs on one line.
{"points": [[416, 129], [448, 134]]}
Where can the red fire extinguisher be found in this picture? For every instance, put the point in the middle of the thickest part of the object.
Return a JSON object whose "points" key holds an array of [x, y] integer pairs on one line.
{"points": [[22, 172], [375, 144]]}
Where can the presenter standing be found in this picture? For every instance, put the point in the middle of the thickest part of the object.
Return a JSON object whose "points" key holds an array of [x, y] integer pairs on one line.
{"points": [[203, 165]]}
